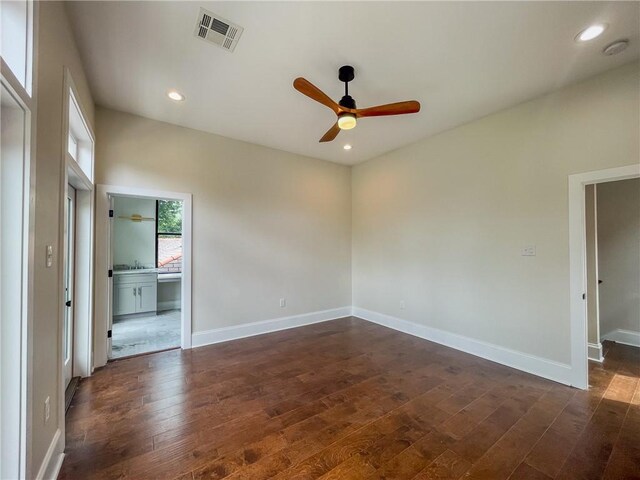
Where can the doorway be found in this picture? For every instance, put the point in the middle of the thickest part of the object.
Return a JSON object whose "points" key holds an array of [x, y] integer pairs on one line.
{"points": [[578, 263], [76, 247], [146, 250], [612, 221], [143, 246]]}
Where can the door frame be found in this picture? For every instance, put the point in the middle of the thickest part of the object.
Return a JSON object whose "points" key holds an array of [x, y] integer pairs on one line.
{"points": [[73, 175], [26, 96], [577, 263], [104, 283], [24, 364]]}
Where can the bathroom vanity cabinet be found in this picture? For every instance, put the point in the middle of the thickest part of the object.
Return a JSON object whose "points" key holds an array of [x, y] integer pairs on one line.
{"points": [[135, 292]]}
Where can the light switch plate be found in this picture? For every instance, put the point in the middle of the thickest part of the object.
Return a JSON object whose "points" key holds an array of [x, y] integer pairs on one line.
{"points": [[47, 409], [528, 251], [49, 256]]}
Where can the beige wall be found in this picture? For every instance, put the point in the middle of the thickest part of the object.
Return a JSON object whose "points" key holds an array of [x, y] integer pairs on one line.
{"points": [[440, 224], [56, 49], [134, 241], [619, 255], [266, 224]]}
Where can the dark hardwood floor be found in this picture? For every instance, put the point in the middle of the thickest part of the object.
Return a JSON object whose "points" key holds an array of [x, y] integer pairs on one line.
{"points": [[349, 400]]}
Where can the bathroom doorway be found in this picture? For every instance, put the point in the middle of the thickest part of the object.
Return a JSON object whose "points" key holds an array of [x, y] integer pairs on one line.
{"points": [[107, 307], [147, 251]]}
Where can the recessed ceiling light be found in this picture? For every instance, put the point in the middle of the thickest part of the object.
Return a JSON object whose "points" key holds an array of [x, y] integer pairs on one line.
{"points": [[175, 95], [347, 147], [591, 32]]}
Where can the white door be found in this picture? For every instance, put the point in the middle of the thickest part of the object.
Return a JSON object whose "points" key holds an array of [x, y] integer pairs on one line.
{"points": [[70, 229], [111, 295], [147, 297]]}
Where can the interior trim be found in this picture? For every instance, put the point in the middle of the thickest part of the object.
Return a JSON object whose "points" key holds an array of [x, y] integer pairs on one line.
{"points": [[52, 461], [224, 334], [542, 367], [626, 337], [595, 352]]}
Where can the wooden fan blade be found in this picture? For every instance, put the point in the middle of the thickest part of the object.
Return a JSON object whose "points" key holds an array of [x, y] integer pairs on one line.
{"points": [[399, 108], [331, 133], [307, 88]]}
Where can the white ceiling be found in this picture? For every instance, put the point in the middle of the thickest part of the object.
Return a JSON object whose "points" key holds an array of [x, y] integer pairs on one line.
{"points": [[461, 60]]}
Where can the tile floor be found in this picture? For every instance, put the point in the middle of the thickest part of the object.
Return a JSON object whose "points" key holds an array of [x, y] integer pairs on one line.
{"points": [[135, 335]]}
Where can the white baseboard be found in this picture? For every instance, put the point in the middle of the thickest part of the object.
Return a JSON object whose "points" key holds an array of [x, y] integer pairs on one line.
{"points": [[626, 337], [559, 372], [53, 459], [594, 351], [169, 305], [225, 334]]}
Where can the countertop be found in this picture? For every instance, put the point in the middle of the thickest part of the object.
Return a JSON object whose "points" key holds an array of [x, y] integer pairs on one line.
{"points": [[135, 271]]}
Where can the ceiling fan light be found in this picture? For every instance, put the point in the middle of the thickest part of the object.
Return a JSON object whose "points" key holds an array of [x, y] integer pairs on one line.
{"points": [[347, 121]]}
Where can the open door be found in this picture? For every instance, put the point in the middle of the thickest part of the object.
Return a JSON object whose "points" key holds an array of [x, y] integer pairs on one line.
{"points": [[69, 283], [110, 279], [594, 347]]}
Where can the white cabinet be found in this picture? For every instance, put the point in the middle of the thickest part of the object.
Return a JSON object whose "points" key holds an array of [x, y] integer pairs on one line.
{"points": [[147, 297], [124, 299], [135, 293]]}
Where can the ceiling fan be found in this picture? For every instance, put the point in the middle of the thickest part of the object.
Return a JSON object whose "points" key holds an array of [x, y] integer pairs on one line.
{"points": [[346, 110]]}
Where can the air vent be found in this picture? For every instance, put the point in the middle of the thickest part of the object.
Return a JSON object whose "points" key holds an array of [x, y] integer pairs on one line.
{"points": [[215, 29]]}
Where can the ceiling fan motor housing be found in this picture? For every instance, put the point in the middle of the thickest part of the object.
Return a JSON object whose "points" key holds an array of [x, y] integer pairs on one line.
{"points": [[348, 102], [346, 74]]}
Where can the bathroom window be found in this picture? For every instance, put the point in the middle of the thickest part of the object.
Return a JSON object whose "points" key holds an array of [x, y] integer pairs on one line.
{"points": [[169, 236]]}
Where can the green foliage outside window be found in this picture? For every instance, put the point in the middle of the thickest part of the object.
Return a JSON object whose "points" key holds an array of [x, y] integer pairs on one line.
{"points": [[169, 216]]}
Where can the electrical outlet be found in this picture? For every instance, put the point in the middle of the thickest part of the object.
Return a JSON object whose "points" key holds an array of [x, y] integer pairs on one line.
{"points": [[47, 409], [528, 251], [283, 302], [401, 304]]}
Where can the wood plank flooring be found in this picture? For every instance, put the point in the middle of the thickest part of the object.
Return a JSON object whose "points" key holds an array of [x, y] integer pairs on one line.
{"points": [[349, 399]]}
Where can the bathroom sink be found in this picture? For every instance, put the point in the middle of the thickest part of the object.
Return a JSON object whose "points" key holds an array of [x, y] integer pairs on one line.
{"points": [[124, 269], [138, 270]]}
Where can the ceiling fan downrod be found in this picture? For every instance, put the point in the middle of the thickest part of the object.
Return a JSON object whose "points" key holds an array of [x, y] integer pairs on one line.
{"points": [[346, 74]]}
